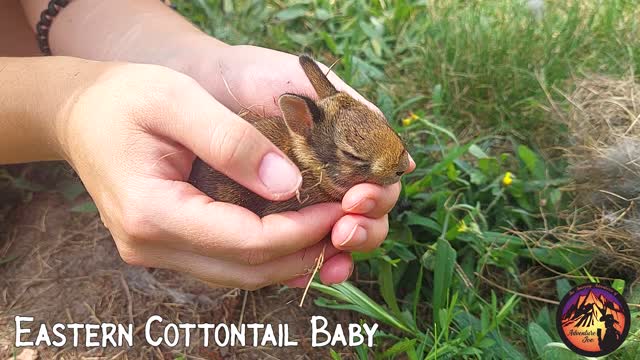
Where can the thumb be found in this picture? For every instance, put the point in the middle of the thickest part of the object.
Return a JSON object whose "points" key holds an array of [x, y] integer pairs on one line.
{"points": [[232, 146]]}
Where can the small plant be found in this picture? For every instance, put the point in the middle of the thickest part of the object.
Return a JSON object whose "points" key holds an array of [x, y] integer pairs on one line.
{"points": [[449, 231]]}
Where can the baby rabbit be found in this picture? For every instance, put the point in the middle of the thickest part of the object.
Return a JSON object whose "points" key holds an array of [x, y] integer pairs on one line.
{"points": [[336, 142]]}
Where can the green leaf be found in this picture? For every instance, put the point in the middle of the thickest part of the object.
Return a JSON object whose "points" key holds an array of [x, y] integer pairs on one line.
{"points": [[486, 343], [489, 166], [360, 256], [501, 350], [21, 183], [328, 40], [367, 69], [539, 337], [85, 207], [500, 239], [437, 99], [354, 299], [531, 160], [452, 155], [71, 189], [8, 259], [544, 320], [618, 285], [442, 130], [452, 173], [322, 14], [560, 351], [415, 219], [407, 104], [428, 260], [385, 278], [403, 252], [566, 258], [555, 195], [363, 352], [442, 275], [406, 345], [507, 308], [385, 103], [291, 13], [335, 355], [302, 39], [562, 287], [478, 178], [477, 152], [546, 348], [227, 6]]}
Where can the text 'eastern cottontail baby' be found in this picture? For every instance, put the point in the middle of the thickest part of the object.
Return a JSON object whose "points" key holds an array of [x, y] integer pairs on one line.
{"points": [[336, 142]]}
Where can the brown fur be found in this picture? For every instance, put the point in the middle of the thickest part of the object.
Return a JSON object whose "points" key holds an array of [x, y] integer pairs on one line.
{"points": [[336, 142]]}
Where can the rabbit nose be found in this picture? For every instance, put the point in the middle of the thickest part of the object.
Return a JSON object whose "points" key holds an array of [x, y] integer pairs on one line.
{"points": [[405, 164], [402, 168]]}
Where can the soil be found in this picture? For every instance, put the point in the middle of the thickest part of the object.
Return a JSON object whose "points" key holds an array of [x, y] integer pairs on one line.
{"points": [[61, 266]]}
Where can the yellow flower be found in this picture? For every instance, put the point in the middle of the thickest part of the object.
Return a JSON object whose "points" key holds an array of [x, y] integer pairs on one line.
{"points": [[462, 226], [507, 179], [410, 119]]}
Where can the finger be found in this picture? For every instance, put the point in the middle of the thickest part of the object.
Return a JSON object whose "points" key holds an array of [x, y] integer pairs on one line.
{"points": [[214, 272], [359, 233], [229, 144], [298, 282], [189, 220], [219, 272], [300, 264], [371, 200], [335, 270]]}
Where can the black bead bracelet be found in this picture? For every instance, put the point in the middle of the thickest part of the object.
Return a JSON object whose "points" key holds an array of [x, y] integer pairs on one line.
{"points": [[44, 25]]}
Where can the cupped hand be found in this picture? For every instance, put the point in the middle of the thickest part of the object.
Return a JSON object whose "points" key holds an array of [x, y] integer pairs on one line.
{"points": [[132, 136], [249, 77]]}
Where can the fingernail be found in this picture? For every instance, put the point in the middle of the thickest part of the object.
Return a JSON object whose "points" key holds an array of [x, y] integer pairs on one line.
{"points": [[278, 174], [363, 206], [356, 237]]}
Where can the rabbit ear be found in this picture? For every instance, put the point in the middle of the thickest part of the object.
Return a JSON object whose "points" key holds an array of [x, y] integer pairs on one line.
{"points": [[299, 113], [320, 83]]}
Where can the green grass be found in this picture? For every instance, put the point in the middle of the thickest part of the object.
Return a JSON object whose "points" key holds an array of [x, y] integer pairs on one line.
{"points": [[479, 77]]}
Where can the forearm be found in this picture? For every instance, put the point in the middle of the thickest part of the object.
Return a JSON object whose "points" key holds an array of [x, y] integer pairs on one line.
{"points": [[144, 31], [35, 97]]}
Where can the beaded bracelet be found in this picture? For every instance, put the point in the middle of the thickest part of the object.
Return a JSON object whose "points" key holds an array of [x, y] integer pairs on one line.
{"points": [[46, 18]]}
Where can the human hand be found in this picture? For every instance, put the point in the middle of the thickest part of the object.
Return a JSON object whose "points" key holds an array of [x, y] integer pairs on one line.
{"points": [[238, 76], [132, 136], [249, 77]]}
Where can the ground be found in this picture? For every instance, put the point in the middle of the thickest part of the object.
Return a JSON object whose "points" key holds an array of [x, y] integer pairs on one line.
{"points": [[64, 267]]}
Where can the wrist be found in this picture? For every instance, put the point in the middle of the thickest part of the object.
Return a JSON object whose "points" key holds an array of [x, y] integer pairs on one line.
{"points": [[35, 102]]}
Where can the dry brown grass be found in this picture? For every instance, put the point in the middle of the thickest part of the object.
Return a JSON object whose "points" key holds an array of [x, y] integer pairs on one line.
{"points": [[604, 153]]}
